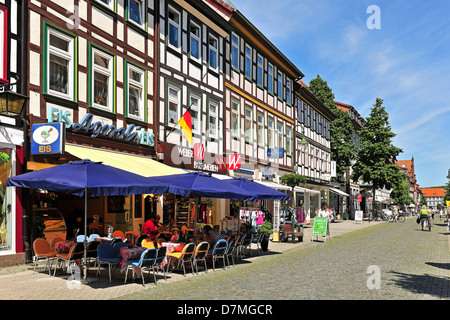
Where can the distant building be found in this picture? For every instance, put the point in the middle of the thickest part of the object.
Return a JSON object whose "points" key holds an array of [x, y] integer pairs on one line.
{"points": [[407, 167], [433, 196]]}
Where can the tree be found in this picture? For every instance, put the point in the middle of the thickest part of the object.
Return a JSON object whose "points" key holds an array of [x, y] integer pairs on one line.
{"points": [[400, 192], [343, 150], [376, 158]]}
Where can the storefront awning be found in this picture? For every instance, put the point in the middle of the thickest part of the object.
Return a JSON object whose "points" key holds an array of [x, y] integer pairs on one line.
{"points": [[339, 192], [273, 185], [143, 166], [305, 190]]}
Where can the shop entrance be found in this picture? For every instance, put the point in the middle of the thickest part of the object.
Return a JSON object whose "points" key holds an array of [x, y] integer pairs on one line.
{"points": [[128, 211]]}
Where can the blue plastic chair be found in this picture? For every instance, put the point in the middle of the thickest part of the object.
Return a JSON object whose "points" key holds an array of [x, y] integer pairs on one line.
{"points": [[117, 247], [147, 260], [230, 248], [81, 237], [160, 257], [218, 251], [93, 236], [106, 255]]}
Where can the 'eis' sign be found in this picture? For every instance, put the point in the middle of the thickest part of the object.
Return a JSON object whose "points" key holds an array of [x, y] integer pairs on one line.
{"points": [[132, 133]]}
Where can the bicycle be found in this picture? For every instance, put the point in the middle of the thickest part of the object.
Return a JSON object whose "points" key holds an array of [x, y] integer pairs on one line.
{"points": [[401, 218]]}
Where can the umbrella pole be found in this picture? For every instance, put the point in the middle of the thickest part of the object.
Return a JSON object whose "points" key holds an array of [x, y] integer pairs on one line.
{"points": [[85, 232]]}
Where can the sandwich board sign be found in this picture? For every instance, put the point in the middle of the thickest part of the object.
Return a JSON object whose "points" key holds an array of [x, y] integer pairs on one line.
{"points": [[321, 228], [358, 216]]}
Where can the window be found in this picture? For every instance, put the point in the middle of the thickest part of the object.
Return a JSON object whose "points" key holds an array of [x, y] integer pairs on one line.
{"points": [[280, 135], [195, 111], [270, 78], [248, 62], [235, 51], [288, 141], [174, 104], [260, 132], [259, 71], [195, 40], [213, 51], [3, 44], [7, 199], [110, 4], [235, 111], [280, 86], [136, 94], [288, 91], [137, 12], [174, 28], [270, 133], [213, 120], [248, 124], [60, 60], [102, 79]]}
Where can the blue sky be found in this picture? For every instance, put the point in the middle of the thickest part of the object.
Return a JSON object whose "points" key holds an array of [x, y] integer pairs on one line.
{"points": [[406, 63]]}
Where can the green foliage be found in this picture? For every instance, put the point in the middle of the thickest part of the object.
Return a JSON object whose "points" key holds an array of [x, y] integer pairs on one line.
{"points": [[266, 228], [400, 192], [343, 150], [376, 159], [293, 179]]}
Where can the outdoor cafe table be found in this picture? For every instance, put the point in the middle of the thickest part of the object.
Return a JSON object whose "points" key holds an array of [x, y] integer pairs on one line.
{"points": [[64, 246], [130, 254]]}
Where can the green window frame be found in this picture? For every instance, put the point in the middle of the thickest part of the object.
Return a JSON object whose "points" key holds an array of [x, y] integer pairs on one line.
{"points": [[136, 14], [288, 141], [136, 89], [102, 67], [280, 135], [270, 132], [60, 57]]}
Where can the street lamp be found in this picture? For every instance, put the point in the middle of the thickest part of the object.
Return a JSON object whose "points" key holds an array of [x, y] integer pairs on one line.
{"points": [[11, 103]]}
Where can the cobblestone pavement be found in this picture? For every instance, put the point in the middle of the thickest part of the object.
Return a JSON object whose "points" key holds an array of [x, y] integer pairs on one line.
{"points": [[413, 265]]}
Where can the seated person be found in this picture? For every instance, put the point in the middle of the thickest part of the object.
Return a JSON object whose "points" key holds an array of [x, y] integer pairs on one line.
{"points": [[211, 236], [151, 228]]}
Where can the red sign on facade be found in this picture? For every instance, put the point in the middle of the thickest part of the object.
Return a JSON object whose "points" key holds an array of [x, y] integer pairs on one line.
{"points": [[199, 151], [233, 162]]}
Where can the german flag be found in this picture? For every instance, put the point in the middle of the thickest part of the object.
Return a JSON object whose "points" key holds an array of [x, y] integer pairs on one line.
{"points": [[185, 123]]}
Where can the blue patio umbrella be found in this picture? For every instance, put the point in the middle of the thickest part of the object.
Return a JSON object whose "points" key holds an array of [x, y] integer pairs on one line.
{"points": [[260, 192], [86, 177], [199, 184]]}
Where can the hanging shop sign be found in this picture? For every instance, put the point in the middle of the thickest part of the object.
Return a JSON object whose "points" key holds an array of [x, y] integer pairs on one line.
{"points": [[195, 158], [48, 138], [132, 133], [233, 162], [275, 152]]}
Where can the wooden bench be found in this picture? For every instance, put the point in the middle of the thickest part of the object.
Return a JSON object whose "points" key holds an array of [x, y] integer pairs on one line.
{"points": [[289, 232]]}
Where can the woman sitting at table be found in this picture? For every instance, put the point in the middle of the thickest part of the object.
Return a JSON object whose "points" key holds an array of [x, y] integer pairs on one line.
{"points": [[211, 236]]}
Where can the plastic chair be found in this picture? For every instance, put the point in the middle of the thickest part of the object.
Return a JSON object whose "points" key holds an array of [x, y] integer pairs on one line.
{"points": [[140, 239], [91, 252], [147, 243], [160, 257], [230, 248], [257, 241], [42, 250], [119, 234], [200, 255], [218, 251], [183, 256], [116, 240], [246, 241], [53, 243], [117, 247], [80, 238], [93, 236], [107, 255], [76, 252], [147, 260]]}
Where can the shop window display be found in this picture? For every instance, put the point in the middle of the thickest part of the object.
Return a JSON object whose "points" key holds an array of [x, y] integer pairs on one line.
{"points": [[6, 215]]}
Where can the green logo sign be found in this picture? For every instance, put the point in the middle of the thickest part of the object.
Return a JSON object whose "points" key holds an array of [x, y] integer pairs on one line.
{"points": [[320, 227]]}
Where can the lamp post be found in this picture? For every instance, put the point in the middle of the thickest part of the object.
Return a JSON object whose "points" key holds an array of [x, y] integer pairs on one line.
{"points": [[303, 144], [12, 106]]}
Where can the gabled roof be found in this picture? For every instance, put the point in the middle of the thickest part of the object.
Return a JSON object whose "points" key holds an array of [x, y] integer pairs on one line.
{"points": [[433, 192]]}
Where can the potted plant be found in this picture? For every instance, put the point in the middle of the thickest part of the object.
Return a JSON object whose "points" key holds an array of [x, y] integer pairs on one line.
{"points": [[266, 229]]}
